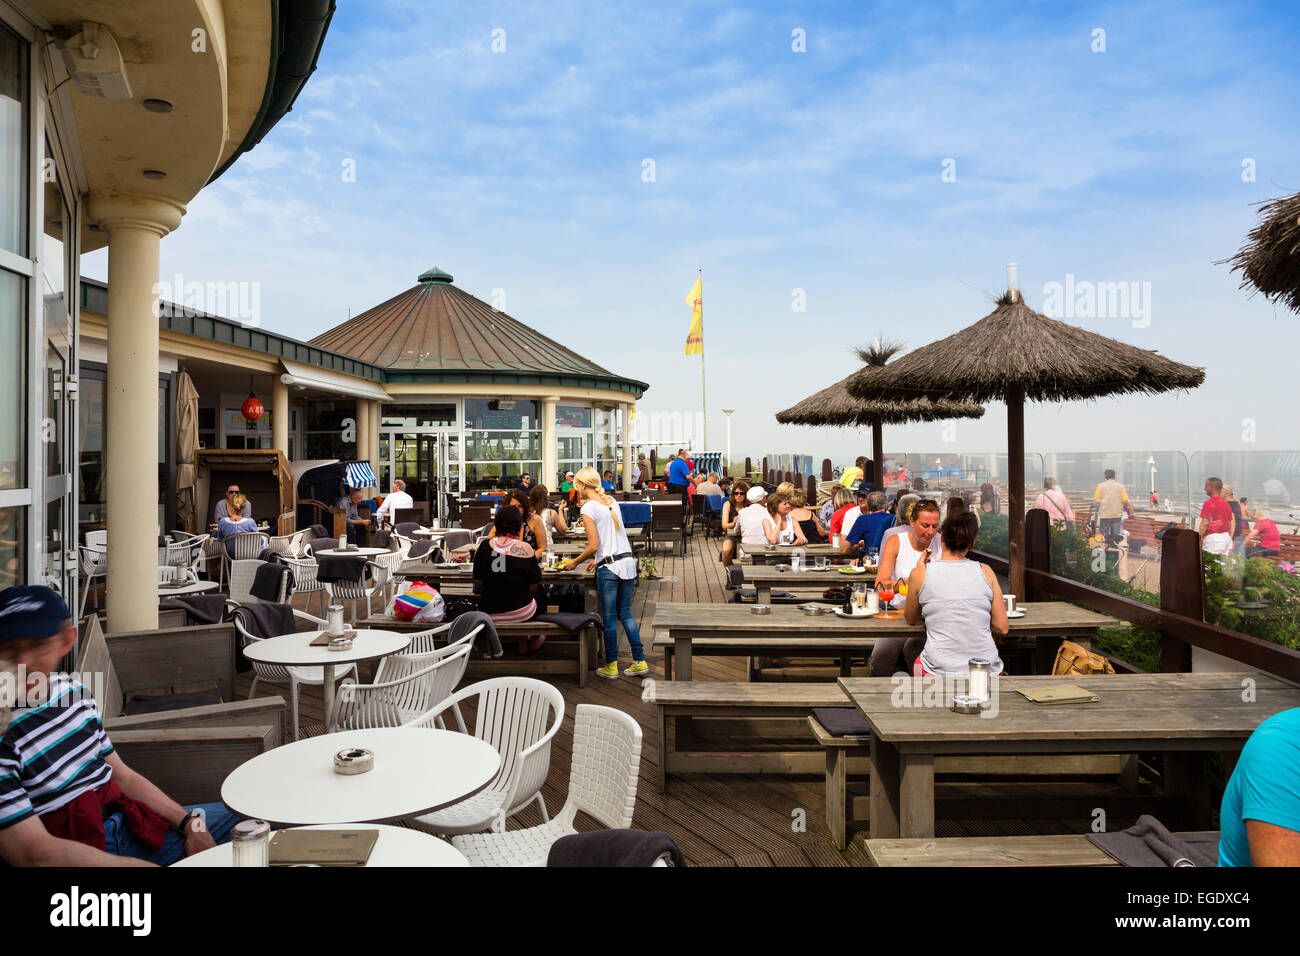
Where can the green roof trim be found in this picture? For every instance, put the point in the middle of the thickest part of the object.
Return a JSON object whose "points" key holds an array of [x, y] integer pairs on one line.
{"points": [[436, 275], [298, 29]]}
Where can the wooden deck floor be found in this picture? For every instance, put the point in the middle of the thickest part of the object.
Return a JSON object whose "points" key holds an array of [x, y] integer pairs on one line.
{"points": [[717, 820]]}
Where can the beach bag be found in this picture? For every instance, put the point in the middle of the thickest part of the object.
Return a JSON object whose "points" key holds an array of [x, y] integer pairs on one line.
{"points": [[415, 601], [1072, 658]]}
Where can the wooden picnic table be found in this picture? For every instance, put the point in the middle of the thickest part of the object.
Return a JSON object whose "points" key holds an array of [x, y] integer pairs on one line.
{"points": [[734, 630], [1185, 716], [464, 574], [764, 577], [780, 553]]}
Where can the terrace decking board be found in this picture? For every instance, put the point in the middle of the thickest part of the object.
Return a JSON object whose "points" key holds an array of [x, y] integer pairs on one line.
{"points": [[699, 810]]}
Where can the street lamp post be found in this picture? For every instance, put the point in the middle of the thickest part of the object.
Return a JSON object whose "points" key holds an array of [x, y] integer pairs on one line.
{"points": [[727, 412]]}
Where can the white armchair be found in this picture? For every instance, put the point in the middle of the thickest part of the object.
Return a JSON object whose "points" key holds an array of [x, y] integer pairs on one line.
{"points": [[406, 686]]}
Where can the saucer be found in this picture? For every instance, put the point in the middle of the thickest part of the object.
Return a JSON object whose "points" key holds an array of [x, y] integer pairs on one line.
{"points": [[1018, 612], [840, 612]]}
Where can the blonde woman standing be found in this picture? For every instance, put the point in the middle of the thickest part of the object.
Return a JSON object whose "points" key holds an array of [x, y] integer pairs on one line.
{"points": [[615, 568]]}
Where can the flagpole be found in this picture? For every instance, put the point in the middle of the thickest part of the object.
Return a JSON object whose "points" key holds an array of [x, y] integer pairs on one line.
{"points": [[704, 405]]}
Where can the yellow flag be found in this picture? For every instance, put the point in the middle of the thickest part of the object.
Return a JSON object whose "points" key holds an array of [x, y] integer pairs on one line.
{"points": [[695, 337]]}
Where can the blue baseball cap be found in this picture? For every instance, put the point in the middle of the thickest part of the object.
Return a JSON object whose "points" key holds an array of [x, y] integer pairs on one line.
{"points": [[31, 611]]}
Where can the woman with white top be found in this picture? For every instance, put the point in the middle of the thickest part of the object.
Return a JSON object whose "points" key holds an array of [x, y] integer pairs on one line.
{"points": [[615, 569], [898, 556], [780, 527], [960, 603]]}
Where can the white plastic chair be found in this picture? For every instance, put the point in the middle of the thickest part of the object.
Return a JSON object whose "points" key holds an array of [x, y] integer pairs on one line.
{"points": [[97, 539], [242, 575], [187, 553], [519, 716], [390, 562], [293, 675], [289, 545], [602, 784], [243, 547], [94, 564], [405, 687], [354, 591], [304, 578]]}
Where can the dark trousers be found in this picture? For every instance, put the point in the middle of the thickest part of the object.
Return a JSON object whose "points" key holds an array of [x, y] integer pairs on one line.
{"points": [[674, 489]]}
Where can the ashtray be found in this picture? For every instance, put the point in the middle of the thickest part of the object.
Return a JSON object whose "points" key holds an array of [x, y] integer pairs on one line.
{"points": [[966, 704], [340, 643], [353, 760], [761, 609], [814, 610]]}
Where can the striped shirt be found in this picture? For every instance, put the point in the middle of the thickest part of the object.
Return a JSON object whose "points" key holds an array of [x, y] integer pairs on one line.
{"points": [[52, 753]]}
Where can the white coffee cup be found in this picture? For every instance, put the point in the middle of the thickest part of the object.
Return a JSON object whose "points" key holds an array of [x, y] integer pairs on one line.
{"points": [[1010, 601]]}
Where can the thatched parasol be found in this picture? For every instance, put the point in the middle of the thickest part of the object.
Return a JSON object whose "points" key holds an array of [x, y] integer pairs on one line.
{"points": [[1270, 260], [835, 406], [1014, 354]]}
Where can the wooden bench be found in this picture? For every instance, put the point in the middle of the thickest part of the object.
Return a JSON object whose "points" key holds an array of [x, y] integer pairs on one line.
{"points": [[1070, 849], [585, 644], [844, 649]]}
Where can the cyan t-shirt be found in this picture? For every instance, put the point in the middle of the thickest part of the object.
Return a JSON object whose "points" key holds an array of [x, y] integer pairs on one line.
{"points": [[869, 528], [1265, 786], [678, 472]]}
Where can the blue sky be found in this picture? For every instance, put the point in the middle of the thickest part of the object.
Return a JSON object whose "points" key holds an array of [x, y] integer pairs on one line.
{"points": [[778, 171]]}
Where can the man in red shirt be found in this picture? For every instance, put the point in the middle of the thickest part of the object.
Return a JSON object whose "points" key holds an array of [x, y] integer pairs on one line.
{"points": [[1264, 539], [1216, 523]]}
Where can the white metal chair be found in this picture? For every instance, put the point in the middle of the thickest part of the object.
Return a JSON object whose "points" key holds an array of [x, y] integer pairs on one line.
{"points": [[290, 545], [97, 539], [405, 687], [187, 553], [294, 676], [304, 579], [354, 591], [519, 716], [242, 575], [94, 564], [243, 547], [602, 784]]}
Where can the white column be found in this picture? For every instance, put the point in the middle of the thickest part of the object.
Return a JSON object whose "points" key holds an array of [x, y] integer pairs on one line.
{"points": [[280, 415], [135, 225], [550, 444], [627, 446], [372, 452], [361, 415]]}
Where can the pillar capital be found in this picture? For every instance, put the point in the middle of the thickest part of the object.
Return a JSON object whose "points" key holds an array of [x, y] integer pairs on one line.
{"points": [[154, 213]]}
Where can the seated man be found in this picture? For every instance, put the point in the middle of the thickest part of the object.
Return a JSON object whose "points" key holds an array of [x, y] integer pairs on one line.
{"points": [[223, 508], [866, 531], [66, 797], [1259, 819], [356, 523], [607, 481], [1264, 539], [396, 500], [709, 485]]}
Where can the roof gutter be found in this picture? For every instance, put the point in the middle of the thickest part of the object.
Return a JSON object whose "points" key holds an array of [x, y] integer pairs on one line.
{"points": [[298, 30]]}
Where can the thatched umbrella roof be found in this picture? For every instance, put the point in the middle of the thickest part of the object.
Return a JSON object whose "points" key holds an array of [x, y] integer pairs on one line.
{"points": [[1014, 354], [1052, 361], [835, 406], [1270, 259]]}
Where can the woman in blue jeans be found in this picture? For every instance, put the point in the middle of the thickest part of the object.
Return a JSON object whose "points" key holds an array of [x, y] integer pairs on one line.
{"points": [[615, 567]]}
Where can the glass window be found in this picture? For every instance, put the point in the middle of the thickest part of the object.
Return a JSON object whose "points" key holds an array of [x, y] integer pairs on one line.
{"points": [[13, 142], [13, 537], [501, 413], [420, 416], [13, 381], [503, 446]]}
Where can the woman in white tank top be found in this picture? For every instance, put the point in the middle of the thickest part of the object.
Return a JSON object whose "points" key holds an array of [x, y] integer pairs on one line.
{"points": [[899, 554]]}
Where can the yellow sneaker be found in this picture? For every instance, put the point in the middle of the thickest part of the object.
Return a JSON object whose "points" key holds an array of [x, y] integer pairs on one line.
{"points": [[639, 669], [610, 670]]}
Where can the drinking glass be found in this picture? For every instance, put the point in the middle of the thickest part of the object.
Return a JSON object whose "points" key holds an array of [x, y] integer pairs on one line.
{"points": [[822, 562]]}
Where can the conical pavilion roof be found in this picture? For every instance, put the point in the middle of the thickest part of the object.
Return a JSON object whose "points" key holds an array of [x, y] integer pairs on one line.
{"points": [[435, 327]]}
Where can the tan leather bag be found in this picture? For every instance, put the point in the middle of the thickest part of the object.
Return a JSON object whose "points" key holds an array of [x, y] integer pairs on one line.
{"points": [[1072, 658]]}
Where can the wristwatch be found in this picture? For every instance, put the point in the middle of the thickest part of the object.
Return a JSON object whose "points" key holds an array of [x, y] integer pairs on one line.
{"points": [[196, 814]]}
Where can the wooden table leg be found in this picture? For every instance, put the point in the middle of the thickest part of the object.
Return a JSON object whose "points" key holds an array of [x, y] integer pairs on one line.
{"points": [[662, 722], [837, 785], [916, 796], [668, 662], [884, 819], [762, 593], [682, 646]]}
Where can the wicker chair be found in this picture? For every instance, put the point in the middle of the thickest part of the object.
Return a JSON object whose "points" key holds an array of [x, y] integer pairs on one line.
{"points": [[243, 547], [602, 783], [304, 579], [290, 545], [242, 575], [406, 686], [520, 717], [354, 591], [94, 564]]}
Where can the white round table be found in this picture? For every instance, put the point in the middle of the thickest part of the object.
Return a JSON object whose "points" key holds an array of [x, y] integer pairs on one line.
{"points": [[193, 588], [358, 553], [416, 771], [296, 650], [395, 846]]}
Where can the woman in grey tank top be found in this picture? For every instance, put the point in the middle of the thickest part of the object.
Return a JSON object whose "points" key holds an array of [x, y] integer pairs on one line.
{"points": [[960, 602]]}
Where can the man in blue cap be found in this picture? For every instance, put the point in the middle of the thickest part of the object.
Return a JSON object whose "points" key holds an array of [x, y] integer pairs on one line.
{"points": [[66, 797]]}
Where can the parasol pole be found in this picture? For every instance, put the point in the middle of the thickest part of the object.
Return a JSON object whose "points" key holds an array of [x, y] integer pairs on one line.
{"points": [[878, 455], [1015, 468]]}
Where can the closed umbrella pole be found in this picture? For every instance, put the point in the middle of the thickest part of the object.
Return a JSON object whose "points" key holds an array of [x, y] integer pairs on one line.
{"points": [[1016, 491]]}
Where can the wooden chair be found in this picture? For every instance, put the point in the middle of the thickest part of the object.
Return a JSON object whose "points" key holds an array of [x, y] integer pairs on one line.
{"points": [[667, 524], [475, 516]]}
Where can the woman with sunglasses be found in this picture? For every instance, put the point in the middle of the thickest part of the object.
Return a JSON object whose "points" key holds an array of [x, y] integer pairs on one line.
{"points": [[731, 507], [222, 509]]}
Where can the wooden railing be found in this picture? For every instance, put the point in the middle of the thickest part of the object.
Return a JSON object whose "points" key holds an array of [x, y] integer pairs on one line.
{"points": [[1180, 618]]}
